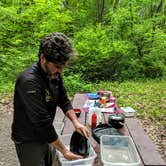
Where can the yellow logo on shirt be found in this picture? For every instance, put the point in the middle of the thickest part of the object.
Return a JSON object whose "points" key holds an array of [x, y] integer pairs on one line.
{"points": [[47, 95]]}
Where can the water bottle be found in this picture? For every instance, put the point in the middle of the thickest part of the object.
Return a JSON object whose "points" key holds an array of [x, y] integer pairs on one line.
{"points": [[89, 115], [98, 113]]}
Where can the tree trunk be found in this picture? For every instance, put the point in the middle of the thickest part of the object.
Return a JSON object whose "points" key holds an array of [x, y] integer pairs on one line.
{"points": [[100, 10]]}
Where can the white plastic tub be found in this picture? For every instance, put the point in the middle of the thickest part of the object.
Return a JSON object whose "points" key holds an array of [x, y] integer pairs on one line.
{"points": [[118, 151], [58, 127], [88, 161]]}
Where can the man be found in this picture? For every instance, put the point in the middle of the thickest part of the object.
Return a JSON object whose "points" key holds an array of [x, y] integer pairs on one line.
{"points": [[38, 91]]}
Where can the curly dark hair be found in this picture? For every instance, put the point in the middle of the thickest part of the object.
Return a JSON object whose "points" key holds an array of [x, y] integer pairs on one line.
{"points": [[56, 48]]}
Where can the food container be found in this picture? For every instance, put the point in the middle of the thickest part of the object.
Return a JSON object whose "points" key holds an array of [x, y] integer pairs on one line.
{"points": [[118, 151], [93, 96], [103, 100], [116, 120], [58, 127], [88, 161]]}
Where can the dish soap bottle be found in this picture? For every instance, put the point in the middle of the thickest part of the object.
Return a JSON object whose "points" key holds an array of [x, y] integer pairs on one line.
{"points": [[93, 120]]}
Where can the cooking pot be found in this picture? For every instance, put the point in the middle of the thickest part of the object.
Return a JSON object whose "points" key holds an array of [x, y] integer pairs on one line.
{"points": [[116, 120]]}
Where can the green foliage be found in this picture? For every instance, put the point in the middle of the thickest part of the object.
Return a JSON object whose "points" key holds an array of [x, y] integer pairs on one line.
{"points": [[117, 41], [22, 25], [101, 58], [75, 83]]}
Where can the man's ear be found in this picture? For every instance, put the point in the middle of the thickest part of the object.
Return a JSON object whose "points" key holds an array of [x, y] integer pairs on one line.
{"points": [[42, 58]]}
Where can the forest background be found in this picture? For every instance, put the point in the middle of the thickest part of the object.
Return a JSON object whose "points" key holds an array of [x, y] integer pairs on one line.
{"points": [[119, 45]]}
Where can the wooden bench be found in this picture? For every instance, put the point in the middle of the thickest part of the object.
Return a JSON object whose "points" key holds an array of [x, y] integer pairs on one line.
{"points": [[146, 149]]}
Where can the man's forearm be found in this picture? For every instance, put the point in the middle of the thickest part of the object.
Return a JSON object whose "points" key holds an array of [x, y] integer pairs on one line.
{"points": [[59, 146], [72, 116]]}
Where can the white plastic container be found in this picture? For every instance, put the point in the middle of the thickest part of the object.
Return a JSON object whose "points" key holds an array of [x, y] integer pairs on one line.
{"points": [[58, 127], [118, 151], [128, 111], [88, 161]]}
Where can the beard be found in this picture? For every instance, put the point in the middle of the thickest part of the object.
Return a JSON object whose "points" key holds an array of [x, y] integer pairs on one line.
{"points": [[48, 73]]}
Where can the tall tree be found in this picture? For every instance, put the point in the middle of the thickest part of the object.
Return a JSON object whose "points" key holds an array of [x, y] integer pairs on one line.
{"points": [[100, 9]]}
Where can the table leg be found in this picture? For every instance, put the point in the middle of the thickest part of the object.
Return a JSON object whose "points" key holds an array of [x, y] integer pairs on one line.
{"points": [[85, 118]]}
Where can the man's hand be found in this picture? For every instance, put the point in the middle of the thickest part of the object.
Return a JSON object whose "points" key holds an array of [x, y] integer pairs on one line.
{"points": [[82, 129], [71, 156], [78, 126], [66, 153]]}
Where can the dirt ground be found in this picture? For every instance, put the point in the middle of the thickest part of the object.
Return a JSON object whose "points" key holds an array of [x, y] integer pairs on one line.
{"points": [[7, 150]]}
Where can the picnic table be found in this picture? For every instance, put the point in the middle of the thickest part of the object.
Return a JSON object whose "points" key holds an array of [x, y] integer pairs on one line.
{"points": [[146, 149]]}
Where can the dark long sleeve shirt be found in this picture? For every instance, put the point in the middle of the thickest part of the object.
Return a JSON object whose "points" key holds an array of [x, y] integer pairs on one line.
{"points": [[35, 101]]}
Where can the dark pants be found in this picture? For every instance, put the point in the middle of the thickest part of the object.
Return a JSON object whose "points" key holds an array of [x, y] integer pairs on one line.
{"points": [[35, 154]]}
